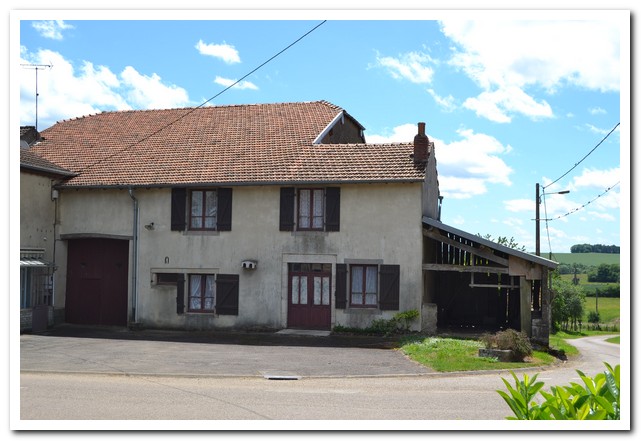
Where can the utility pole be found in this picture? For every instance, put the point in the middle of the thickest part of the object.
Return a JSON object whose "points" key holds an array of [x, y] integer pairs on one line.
{"points": [[538, 218], [538, 221], [37, 67]]}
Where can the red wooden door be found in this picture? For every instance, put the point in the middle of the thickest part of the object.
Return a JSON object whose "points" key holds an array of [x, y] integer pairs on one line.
{"points": [[309, 304], [97, 272]]}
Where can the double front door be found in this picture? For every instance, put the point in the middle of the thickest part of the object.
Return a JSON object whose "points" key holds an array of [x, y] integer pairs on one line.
{"points": [[309, 291]]}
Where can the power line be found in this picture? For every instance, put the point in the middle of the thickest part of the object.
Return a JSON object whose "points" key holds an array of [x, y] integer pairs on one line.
{"points": [[582, 206], [582, 159], [193, 109]]}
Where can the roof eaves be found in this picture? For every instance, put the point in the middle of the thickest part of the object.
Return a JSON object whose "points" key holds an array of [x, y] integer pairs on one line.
{"points": [[240, 183], [53, 171]]}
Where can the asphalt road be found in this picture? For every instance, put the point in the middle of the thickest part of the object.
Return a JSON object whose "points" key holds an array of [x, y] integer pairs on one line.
{"points": [[424, 400]]}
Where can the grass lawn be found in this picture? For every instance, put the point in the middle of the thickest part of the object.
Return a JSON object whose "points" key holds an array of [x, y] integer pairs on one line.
{"points": [[454, 355], [616, 340]]}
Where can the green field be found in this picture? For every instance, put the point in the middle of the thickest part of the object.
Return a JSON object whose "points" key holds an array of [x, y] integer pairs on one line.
{"points": [[609, 309], [594, 259]]}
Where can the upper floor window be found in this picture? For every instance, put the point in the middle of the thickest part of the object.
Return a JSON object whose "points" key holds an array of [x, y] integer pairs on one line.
{"points": [[203, 210], [310, 209], [311, 213]]}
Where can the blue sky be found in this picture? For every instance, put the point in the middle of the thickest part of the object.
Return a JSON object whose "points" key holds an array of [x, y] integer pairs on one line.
{"points": [[510, 99]]}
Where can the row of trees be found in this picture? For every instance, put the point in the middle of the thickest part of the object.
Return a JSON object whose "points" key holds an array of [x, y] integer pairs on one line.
{"points": [[605, 273], [596, 248]]}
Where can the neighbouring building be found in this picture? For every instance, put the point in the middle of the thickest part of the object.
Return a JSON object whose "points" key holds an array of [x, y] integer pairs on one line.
{"points": [[38, 204]]}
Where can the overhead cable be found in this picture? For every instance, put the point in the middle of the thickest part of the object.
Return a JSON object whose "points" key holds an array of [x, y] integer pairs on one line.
{"points": [[582, 159]]}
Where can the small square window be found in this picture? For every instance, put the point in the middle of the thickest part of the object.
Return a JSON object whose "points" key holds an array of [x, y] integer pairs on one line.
{"points": [[166, 278]]}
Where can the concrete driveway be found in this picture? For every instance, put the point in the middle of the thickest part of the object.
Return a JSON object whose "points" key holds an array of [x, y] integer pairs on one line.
{"points": [[77, 349]]}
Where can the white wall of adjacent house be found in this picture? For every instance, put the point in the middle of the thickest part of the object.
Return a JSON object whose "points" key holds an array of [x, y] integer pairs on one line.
{"points": [[37, 213], [378, 223]]}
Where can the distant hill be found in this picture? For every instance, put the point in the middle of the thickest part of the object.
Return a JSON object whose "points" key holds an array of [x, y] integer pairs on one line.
{"points": [[591, 259]]}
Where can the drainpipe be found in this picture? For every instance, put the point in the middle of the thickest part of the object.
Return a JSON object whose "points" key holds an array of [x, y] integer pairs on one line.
{"points": [[134, 276]]}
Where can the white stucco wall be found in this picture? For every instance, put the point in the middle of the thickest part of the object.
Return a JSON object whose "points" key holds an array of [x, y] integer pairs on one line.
{"points": [[378, 222], [37, 213]]}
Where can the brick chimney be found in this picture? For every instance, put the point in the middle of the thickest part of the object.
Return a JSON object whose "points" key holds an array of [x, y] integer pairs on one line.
{"points": [[421, 145]]}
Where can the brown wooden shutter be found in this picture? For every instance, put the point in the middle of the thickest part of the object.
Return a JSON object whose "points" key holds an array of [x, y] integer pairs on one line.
{"points": [[223, 222], [180, 294], [332, 208], [390, 283], [178, 211], [341, 286], [287, 195], [227, 294]]}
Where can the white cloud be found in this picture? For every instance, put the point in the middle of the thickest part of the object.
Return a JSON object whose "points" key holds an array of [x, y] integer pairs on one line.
{"points": [[518, 205], [149, 92], [465, 167], [402, 133], [447, 103], [66, 91], [604, 216], [597, 179], [51, 28], [412, 66], [504, 56], [224, 51], [498, 105], [599, 130], [597, 111], [241, 85]]}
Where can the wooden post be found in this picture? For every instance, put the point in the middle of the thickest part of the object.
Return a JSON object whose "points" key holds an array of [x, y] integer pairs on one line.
{"points": [[526, 312]]}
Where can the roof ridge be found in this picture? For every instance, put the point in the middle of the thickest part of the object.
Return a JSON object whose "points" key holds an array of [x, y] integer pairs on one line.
{"points": [[193, 108]]}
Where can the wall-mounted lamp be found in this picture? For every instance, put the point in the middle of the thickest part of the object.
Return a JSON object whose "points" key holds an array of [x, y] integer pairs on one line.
{"points": [[150, 226]]}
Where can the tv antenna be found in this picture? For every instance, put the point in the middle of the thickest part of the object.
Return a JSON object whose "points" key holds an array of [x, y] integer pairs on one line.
{"points": [[37, 67]]}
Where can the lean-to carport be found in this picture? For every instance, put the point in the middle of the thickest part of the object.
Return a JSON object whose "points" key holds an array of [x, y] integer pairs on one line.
{"points": [[478, 283]]}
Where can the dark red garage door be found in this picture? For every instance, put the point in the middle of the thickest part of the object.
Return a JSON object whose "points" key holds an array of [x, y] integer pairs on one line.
{"points": [[97, 282]]}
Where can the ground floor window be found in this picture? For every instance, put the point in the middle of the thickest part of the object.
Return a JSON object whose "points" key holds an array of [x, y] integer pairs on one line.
{"points": [[36, 286], [202, 293], [364, 285]]}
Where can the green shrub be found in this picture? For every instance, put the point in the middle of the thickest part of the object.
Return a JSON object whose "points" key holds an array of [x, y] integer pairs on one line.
{"points": [[598, 400], [517, 342], [399, 324], [594, 317]]}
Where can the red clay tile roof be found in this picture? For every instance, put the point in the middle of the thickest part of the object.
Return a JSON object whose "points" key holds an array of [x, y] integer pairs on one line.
{"points": [[229, 145], [30, 160]]}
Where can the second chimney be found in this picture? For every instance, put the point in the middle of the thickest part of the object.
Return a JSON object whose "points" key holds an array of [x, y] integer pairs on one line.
{"points": [[421, 145]]}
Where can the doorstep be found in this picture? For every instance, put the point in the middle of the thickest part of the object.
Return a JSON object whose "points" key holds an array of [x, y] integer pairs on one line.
{"points": [[310, 332]]}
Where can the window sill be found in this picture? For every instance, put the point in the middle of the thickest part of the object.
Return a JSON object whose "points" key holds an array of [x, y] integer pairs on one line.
{"points": [[306, 233], [201, 233], [363, 310]]}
